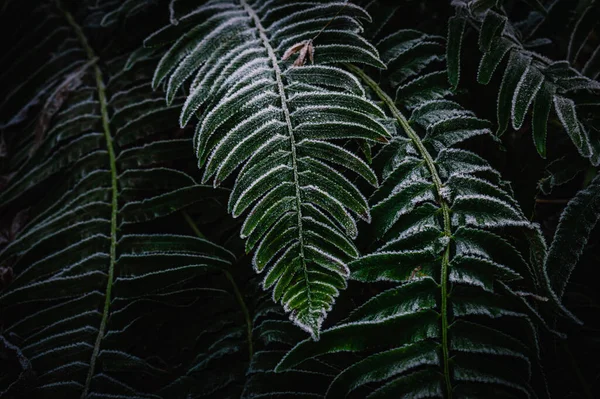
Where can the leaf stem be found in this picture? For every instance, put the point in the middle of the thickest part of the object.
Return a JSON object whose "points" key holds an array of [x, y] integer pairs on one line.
{"points": [[551, 201], [329, 22], [286, 112], [192, 225], [443, 205], [236, 290], [101, 91]]}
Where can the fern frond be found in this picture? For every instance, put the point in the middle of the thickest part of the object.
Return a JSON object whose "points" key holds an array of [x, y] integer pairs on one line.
{"points": [[446, 232], [576, 224], [274, 336], [87, 277], [279, 126], [530, 81]]}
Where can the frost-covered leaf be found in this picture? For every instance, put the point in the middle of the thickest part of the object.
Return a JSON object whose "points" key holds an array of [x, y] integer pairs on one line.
{"points": [[277, 125], [576, 224], [530, 78], [86, 280]]}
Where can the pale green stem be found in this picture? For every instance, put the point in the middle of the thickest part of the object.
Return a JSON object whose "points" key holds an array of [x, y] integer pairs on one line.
{"points": [[236, 290], [114, 188], [443, 205]]}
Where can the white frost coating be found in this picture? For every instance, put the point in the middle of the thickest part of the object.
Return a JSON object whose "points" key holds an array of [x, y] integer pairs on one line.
{"points": [[311, 10], [355, 82], [399, 160], [572, 130], [293, 38], [49, 281], [72, 348], [323, 97], [453, 161], [445, 193], [73, 107], [259, 268], [332, 231], [498, 221], [468, 183], [517, 97], [286, 305], [228, 100], [66, 272], [347, 125], [318, 318], [263, 151], [201, 137], [285, 203], [350, 230], [414, 230], [341, 150], [53, 218], [246, 124], [315, 120], [292, 247], [187, 61], [233, 67], [340, 267], [145, 103], [329, 170], [291, 31], [215, 71], [30, 348], [258, 180], [247, 71]]}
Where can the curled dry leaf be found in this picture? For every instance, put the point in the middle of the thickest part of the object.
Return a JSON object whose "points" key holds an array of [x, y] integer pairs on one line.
{"points": [[304, 48]]}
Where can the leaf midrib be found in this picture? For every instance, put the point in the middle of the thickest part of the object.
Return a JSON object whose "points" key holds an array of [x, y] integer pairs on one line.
{"points": [[443, 205], [284, 107], [101, 89]]}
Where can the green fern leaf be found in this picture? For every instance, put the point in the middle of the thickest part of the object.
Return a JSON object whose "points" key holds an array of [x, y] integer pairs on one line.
{"points": [[576, 223], [277, 124], [85, 278], [529, 78]]}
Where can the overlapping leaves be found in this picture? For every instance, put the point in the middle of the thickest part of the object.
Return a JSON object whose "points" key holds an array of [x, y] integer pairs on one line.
{"points": [[280, 130], [530, 80], [94, 298], [446, 230]]}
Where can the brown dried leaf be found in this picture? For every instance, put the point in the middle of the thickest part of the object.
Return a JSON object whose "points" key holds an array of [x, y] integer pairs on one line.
{"points": [[304, 48], [293, 50]]}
